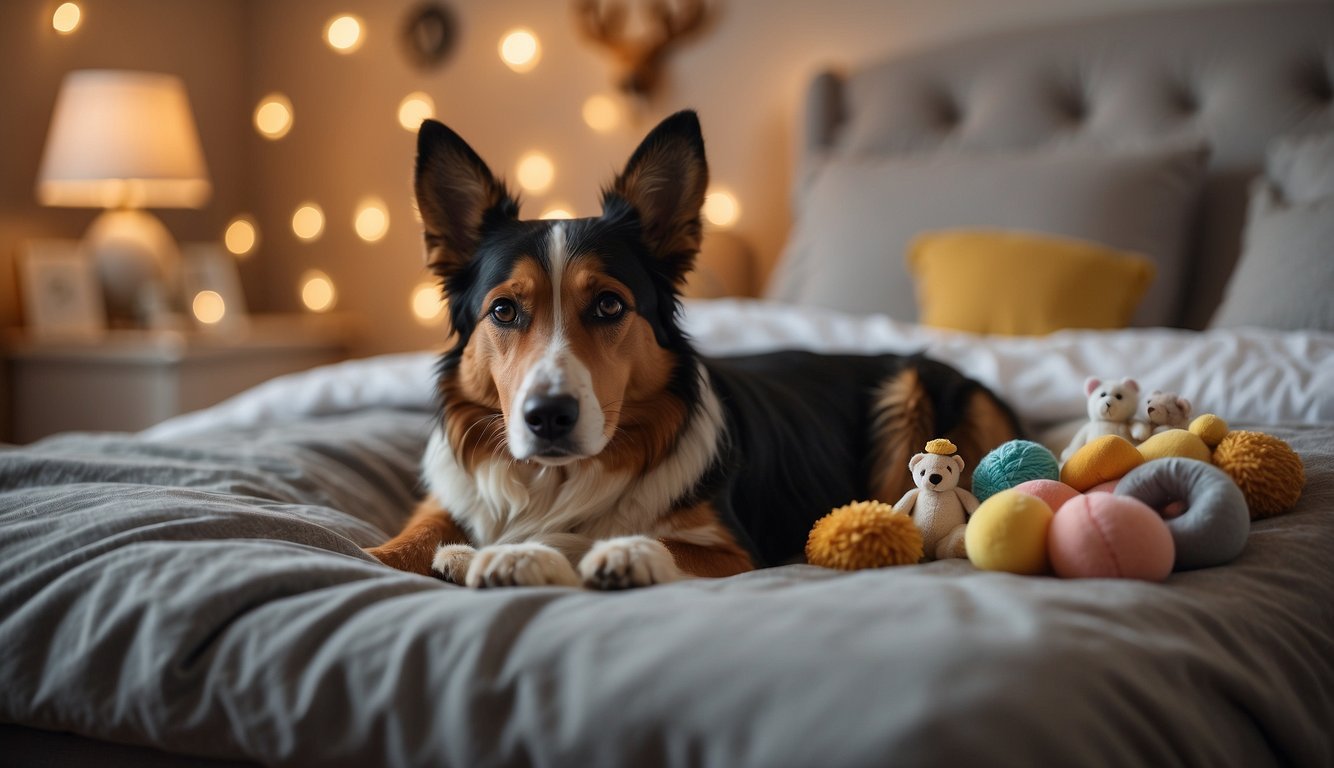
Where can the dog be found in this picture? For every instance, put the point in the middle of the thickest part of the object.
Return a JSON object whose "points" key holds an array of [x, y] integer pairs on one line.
{"points": [[581, 440]]}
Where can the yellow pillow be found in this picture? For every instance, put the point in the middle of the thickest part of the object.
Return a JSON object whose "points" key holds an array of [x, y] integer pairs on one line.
{"points": [[1022, 283]]}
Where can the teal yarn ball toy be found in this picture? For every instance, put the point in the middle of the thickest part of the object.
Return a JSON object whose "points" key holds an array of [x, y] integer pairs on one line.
{"points": [[1012, 463]]}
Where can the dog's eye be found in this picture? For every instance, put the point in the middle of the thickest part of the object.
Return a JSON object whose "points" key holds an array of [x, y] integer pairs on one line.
{"points": [[608, 307], [504, 311], [1118, 397]]}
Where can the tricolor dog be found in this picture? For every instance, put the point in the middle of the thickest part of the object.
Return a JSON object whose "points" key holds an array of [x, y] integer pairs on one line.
{"points": [[582, 440]]}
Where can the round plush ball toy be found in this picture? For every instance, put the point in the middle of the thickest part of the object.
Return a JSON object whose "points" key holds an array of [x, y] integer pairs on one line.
{"points": [[1012, 463], [1100, 535], [863, 534], [1267, 470], [1008, 532], [1054, 492], [1209, 428]]}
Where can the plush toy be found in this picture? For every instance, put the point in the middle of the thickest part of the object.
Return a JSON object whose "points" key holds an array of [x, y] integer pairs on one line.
{"points": [[938, 506], [1211, 526], [1166, 410], [1010, 464], [1008, 532], [1269, 473], [1101, 535], [1111, 409], [1105, 458], [863, 534]]}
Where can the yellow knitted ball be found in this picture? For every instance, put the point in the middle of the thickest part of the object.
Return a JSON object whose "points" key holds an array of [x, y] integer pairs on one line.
{"points": [[1268, 471], [863, 534]]}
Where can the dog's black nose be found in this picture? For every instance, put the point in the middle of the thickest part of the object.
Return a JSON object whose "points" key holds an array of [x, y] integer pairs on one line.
{"points": [[550, 417], [935, 479]]}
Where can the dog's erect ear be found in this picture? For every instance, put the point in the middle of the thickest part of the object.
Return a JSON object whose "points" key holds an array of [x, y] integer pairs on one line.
{"points": [[457, 197], [665, 181]]}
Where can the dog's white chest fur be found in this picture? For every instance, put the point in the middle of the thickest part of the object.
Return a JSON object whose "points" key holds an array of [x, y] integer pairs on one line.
{"points": [[507, 501]]}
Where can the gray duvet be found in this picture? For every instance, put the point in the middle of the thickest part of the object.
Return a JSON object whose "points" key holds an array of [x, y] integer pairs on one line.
{"points": [[211, 599]]}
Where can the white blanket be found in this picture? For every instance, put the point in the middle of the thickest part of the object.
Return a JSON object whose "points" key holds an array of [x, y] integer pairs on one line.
{"points": [[1248, 376]]}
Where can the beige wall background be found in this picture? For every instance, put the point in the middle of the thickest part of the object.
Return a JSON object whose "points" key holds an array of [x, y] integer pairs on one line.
{"points": [[746, 76]]}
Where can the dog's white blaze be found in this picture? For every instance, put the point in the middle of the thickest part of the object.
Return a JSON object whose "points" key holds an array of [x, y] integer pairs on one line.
{"points": [[569, 507], [558, 372]]}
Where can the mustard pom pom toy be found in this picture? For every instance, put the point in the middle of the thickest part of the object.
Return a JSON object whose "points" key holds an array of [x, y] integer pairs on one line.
{"points": [[863, 534], [1269, 473]]}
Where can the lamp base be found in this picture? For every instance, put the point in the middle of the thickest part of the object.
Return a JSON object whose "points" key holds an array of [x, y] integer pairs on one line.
{"points": [[138, 263]]}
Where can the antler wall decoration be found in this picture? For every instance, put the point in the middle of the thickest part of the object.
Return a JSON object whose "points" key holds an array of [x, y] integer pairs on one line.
{"points": [[638, 61]]}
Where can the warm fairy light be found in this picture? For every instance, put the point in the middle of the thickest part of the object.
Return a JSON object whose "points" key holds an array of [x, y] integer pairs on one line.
{"points": [[557, 212], [602, 113], [66, 18], [240, 236], [428, 305], [520, 50], [372, 220], [317, 291], [308, 221], [209, 308], [273, 116], [721, 208], [343, 33], [413, 109], [535, 172]]}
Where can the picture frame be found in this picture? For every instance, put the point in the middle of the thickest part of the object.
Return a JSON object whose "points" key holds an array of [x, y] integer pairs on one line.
{"points": [[208, 269], [60, 290]]}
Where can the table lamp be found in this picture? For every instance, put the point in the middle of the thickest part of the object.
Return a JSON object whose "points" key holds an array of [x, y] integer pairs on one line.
{"points": [[126, 141]]}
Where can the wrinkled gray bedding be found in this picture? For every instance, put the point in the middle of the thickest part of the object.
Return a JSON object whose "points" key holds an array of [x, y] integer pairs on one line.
{"points": [[211, 599]]}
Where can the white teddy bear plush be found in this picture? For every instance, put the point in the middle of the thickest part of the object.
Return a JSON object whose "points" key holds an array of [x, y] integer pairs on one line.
{"points": [[938, 507], [1166, 410], [1111, 408]]}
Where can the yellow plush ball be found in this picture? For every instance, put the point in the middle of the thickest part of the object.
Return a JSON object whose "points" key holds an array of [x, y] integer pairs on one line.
{"points": [[1177, 443], [863, 534], [1008, 532], [1210, 429], [1108, 457], [1269, 473]]}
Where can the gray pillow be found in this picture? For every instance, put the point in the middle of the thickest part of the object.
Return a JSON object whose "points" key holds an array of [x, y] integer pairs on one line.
{"points": [[1285, 276], [1302, 166], [855, 220]]}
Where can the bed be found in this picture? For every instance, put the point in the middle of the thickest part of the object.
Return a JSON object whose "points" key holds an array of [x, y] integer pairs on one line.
{"points": [[198, 592]]}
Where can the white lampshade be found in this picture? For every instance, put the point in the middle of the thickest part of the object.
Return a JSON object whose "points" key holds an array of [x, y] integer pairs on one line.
{"points": [[122, 139]]}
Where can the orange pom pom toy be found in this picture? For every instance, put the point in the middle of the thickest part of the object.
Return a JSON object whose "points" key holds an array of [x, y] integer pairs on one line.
{"points": [[1268, 471], [863, 534]]}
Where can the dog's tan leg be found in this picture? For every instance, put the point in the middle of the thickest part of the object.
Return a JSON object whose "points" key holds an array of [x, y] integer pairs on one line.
{"points": [[413, 549], [903, 420], [701, 545], [985, 425]]}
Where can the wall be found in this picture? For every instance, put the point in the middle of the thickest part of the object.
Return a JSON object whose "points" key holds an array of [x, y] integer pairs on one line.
{"points": [[746, 76]]}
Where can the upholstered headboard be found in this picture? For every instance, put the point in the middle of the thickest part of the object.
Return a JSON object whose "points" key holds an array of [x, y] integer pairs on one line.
{"points": [[1235, 75]]}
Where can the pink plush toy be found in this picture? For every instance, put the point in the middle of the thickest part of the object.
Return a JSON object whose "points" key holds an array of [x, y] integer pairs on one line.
{"points": [[1102, 535]]}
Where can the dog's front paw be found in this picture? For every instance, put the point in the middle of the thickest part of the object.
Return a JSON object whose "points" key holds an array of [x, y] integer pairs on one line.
{"points": [[451, 562], [520, 565], [627, 561]]}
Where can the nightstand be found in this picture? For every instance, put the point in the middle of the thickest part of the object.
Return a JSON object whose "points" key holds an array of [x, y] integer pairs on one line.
{"points": [[127, 380]]}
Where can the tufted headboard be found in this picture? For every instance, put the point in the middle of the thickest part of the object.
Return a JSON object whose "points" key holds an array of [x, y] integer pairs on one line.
{"points": [[1235, 75]]}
